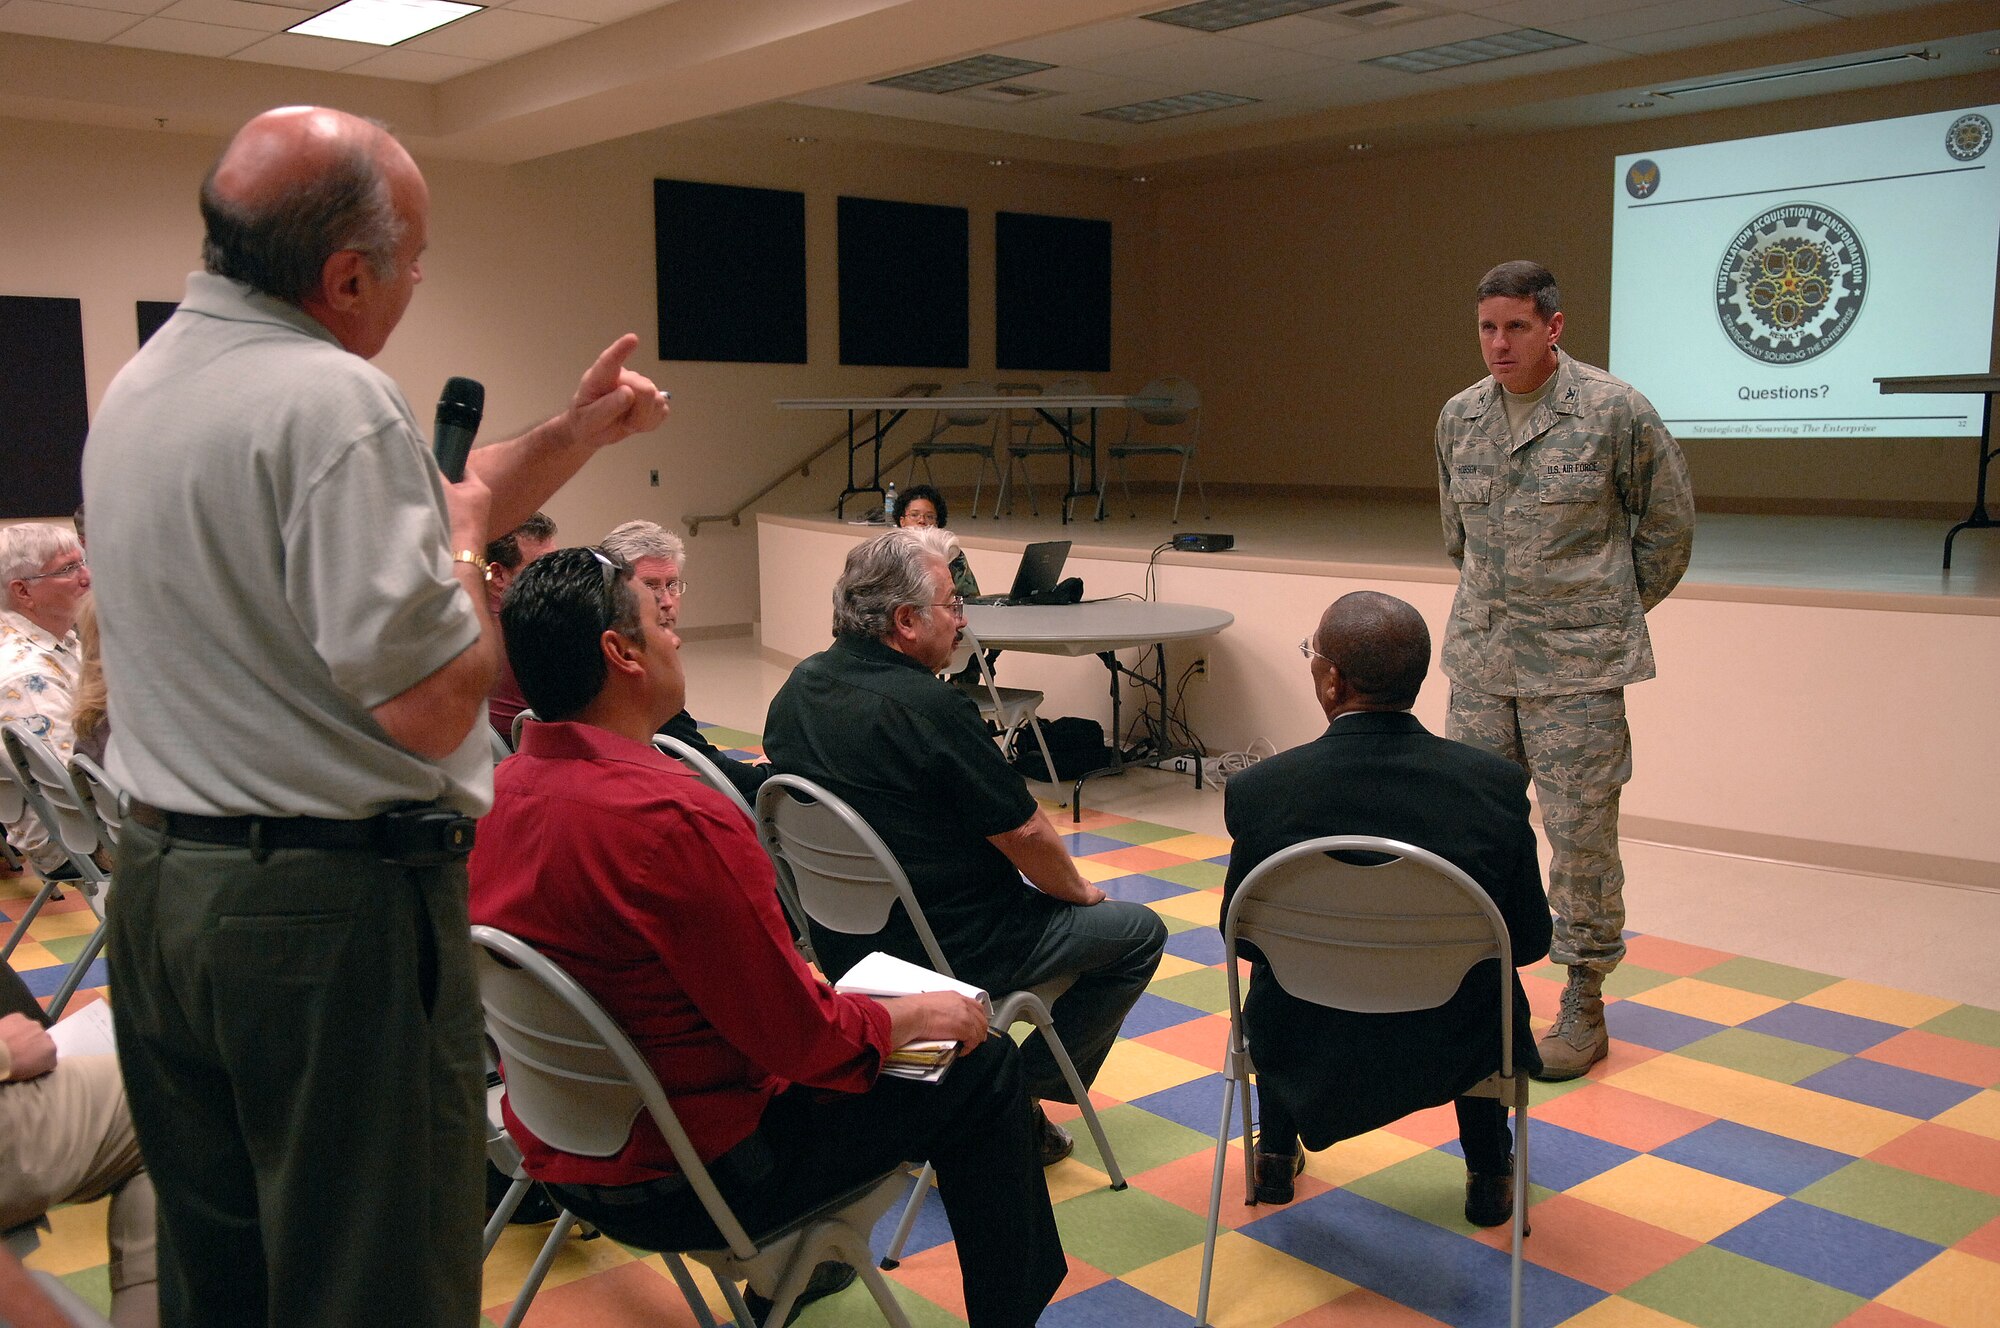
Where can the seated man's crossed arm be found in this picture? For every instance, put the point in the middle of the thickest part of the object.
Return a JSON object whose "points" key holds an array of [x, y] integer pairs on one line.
{"points": [[1037, 849]]}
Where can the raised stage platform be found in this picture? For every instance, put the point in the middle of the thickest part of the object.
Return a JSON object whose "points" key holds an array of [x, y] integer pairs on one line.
{"points": [[1826, 692]]}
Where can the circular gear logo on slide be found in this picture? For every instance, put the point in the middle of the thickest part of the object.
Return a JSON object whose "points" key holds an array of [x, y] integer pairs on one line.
{"points": [[1968, 137], [1791, 283]]}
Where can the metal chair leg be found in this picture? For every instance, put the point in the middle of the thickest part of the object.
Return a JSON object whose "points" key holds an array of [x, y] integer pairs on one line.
{"points": [[564, 1220], [894, 1254], [1214, 1206], [74, 978]]}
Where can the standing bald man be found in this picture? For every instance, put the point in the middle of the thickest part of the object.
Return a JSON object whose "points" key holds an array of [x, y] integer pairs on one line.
{"points": [[296, 627]]}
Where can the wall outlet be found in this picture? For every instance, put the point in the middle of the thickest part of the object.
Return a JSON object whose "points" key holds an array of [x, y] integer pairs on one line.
{"points": [[656, 478]]}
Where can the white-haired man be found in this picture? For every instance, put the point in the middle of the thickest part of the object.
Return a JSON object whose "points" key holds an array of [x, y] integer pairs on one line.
{"points": [[46, 582]]}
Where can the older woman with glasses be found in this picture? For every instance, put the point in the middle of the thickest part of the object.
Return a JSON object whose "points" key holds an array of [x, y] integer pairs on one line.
{"points": [[921, 507]]}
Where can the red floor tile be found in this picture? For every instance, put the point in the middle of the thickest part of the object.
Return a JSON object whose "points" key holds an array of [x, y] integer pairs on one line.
{"points": [[1630, 1119], [1945, 1154], [1947, 1058]]}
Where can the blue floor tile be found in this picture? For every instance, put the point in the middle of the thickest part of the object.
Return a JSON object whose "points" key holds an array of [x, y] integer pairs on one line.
{"points": [[1081, 843], [1560, 1158], [1424, 1267], [1662, 1030], [1203, 945], [44, 981], [1112, 1305], [1889, 1087], [1767, 1161], [1823, 1028], [1196, 1104], [1139, 889], [1828, 1247], [930, 1231], [1150, 1014]]}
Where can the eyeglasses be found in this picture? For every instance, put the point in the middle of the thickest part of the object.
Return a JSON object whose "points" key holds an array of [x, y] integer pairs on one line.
{"points": [[661, 589], [1306, 649], [924, 519], [956, 604], [67, 569]]}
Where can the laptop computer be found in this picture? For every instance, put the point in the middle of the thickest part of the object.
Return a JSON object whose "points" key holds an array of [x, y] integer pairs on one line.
{"points": [[1040, 569]]}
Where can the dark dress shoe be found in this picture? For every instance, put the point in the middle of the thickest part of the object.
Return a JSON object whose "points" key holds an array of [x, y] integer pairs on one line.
{"points": [[826, 1279], [1489, 1199], [1275, 1174], [1052, 1141]]}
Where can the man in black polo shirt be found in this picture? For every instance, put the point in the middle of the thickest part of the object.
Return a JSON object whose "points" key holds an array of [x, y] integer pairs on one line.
{"points": [[869, 720]]}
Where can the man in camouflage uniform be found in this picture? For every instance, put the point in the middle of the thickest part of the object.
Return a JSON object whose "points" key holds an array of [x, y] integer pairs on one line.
{"points": [[1567, 507]]}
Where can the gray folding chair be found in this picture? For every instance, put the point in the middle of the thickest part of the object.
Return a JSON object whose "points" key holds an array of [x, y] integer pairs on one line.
{"points": [[521, 720], [499, 745], [707, 771], [64, 812], [846, 879], [1185, 411], [105, 799], [1381, 938], [1025, 440], [962, 431], [576, 1080], [15, 803], [1011, 709]]}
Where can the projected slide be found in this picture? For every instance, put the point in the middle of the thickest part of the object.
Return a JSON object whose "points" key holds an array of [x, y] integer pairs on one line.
{"points": [[1759, 287]]}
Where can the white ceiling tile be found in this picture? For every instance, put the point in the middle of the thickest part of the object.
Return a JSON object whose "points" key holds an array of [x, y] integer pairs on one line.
{"points": [[1082, 46], [1295, 31], [1524, 66], [1551, 15], [1865, 8], [1621, 23], [301, 52], [1412, 36], [165, 34], [415, 66], [1207, 62], [585, 11], [33, 18], [1734, 29], [497, 34], [1336, 85], [233, 14], [128, 6]]}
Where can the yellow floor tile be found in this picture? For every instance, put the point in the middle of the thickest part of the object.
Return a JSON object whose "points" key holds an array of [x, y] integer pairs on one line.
{"points": [[1193, 846], [1675, 1198], [1978, 1114], [1173, 965], [54, 926], [1618, 1313], [1134, 1069], [1865, 1000], [76, 1240], [1954, 1289], [30, 955], [1364, 1155], [1098, 872], [1254, 1285], [1707, 1000], [1198, 906], [1765, 1104], [507, 1267], [1072, 1176]]}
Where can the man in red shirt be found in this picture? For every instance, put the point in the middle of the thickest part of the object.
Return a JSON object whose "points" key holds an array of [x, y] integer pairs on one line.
{"points": [[650, 890]]}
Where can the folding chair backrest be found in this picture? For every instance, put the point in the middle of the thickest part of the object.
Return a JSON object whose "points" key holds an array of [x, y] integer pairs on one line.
{"points": [[1392, 936], [966, 416], [499, 745], [707, 771], [573, 1077], [846, 878], [106, 799], [69, 816], [1185, 396], [521, 720]]}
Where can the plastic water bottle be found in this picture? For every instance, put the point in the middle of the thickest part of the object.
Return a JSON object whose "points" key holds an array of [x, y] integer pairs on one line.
{"points": [[889, 504]]}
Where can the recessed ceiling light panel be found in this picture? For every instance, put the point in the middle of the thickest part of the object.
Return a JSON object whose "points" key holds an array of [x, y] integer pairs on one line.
{"points": [[1167, 108], [967, 73], [383, 22], [1478, 50], [1222, 15]]}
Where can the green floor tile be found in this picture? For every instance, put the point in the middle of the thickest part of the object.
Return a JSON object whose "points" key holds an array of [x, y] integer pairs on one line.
{"points": [[856, 1308], [1903, 1201], [1430, 1185], [1539, 1092], [1129, 1229], [1969, 1023], [67, 948], [1206, 989], [1766, 979], [1631, 979], [1762, 1055], [1175, 926], [93, 1286], [1197, 875], [1141, 1140], [1138, 832], [721, 737], [1713, 1288]]}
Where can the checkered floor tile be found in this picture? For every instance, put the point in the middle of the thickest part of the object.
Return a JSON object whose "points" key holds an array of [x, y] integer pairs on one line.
{"points": [[1766, 1148]]}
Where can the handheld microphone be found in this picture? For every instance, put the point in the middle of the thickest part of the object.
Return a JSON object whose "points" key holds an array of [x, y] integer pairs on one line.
{"points": [[458, 413]]}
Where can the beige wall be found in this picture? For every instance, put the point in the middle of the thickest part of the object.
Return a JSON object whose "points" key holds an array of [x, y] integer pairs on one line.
{"points": [[1327, 312], [533, 269]]}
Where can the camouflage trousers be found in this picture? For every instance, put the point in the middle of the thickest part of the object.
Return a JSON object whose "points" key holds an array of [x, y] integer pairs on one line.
{"points": [[1579, 753]]}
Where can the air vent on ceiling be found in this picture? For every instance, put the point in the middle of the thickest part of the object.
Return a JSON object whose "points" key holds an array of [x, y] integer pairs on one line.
{"points": [[1007, 94]]}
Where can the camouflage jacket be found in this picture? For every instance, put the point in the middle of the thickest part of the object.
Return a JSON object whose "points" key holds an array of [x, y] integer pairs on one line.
{"points": [[1563, 540]]}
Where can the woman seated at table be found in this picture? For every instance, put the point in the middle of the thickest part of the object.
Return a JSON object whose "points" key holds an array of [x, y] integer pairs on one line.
{"points": [[920, 505]]}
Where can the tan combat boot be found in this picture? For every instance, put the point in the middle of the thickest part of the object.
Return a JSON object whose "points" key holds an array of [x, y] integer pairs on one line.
{"points": [[1577, 1040]]}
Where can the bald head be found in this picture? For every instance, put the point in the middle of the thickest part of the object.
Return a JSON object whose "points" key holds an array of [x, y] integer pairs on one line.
{"points": [[1380, 649], [296, 186]]}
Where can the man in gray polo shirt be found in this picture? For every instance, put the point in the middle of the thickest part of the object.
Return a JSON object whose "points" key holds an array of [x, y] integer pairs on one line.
{"points": [[296, 633]]}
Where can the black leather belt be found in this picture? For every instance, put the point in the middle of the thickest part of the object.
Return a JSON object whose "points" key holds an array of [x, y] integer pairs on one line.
{"points": [[267, 831], [422, 836]]}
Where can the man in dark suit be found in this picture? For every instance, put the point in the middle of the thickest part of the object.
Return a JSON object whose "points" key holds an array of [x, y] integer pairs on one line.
{"points": [[1325, 1075]]}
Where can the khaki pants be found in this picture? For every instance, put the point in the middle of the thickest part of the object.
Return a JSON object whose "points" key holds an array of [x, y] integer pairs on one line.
{"points": [[1579, 753], [66, 1137]]}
